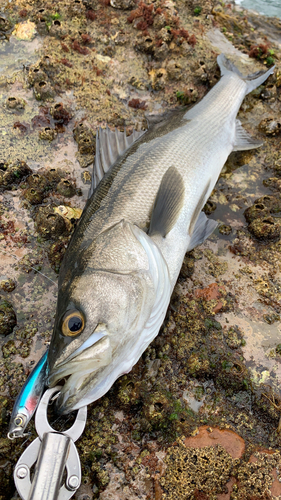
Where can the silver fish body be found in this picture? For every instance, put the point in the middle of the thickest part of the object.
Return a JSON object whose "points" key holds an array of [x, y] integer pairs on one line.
{"points": [[126, 253]]}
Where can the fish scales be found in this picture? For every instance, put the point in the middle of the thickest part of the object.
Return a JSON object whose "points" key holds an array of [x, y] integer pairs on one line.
{"points": [[119, 271], [135, 179]]}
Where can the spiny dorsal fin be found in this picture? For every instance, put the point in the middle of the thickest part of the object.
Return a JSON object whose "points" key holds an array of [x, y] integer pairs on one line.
{"points": [[110, 144], [202, 230], [168, 204], [243, 140]]}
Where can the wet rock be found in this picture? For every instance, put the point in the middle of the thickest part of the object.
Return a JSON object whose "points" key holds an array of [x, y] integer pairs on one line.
{"points": [[13, 174], [49, 224], [257, 211], [33, 196], [66, 188], [43, 90], [15, 103], [8, 319], [265, 228], [48, 134], [207, 436], [8, 285], [270, 126], [36, 74]]}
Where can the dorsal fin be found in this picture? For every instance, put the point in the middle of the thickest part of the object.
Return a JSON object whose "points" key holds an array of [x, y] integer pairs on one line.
{"points": [[168, 204], [110, 145]]}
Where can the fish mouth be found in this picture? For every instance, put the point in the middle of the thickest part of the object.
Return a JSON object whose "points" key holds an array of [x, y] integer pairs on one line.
{"points": [[92, 355]]}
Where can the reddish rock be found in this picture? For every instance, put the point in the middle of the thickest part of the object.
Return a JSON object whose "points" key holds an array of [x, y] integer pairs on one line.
{"points": [[232, 442], [211, 292]]}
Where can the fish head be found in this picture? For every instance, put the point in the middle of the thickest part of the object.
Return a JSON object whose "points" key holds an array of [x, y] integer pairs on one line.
{"points": [[103, 304]]}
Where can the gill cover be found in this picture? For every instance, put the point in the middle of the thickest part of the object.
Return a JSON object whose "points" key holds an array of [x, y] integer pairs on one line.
{"points": [[125, 312]]}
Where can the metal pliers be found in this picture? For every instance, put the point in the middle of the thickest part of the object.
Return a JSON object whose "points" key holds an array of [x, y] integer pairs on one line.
{"points": [[53, 453]]}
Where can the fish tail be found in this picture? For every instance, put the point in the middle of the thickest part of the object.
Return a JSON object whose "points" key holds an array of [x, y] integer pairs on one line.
{"points": [[253, 80]]}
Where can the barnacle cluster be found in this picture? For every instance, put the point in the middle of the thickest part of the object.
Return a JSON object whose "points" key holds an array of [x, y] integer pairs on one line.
{"points": [[191, 470], [12, 173], [8, 319]]}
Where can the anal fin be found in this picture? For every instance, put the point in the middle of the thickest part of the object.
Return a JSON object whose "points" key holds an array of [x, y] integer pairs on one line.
{"points": [[202, 230], [243, 140], [168, 204]]}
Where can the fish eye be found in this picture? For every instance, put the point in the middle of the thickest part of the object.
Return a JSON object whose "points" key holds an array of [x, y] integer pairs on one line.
{"points": [[73, 323], [20, 420]]}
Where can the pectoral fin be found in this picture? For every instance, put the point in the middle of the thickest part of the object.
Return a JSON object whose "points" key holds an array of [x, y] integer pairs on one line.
{"points": [[202, 230], [243, 140], [168, 204]]}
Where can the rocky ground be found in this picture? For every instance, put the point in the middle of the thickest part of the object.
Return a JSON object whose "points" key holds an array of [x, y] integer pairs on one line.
{"points": [[199, 415]]}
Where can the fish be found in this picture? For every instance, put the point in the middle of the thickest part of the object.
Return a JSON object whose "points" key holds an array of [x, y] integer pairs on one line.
{"points": [[144, 212], [28, 399]]}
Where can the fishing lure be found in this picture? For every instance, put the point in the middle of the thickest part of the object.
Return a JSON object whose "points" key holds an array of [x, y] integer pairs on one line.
{"points": [[28, 399]]}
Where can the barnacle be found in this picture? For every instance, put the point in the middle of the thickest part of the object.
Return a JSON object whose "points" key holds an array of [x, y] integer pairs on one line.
{"points": [[66, 188], [195, 469], [8, 319]]}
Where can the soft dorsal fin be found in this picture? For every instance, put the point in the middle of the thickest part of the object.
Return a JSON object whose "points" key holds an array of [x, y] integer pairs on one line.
{"points": [[110, 145], [202, 230], [168, 203], [243, 140]]}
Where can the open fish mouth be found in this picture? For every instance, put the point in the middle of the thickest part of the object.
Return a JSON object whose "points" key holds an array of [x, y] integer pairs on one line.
{"points": [[92, 355]]}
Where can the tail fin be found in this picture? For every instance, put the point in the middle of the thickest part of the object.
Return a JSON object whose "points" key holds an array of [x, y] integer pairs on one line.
{"points": [[253, 81]]}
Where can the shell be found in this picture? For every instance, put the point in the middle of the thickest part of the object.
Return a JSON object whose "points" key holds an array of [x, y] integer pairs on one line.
{"points": [[25, 31]]}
